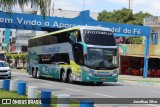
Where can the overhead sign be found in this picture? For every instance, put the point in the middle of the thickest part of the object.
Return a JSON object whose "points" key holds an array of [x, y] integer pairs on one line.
{"points": [[37, 22]]}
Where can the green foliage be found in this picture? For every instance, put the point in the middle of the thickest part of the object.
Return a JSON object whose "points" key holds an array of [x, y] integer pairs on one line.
{"points": [[8, 56], [123, 16], [17, 57], [134, 40], [41, 3]]}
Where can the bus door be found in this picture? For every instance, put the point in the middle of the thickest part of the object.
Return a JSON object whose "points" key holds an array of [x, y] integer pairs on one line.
{"points": [[78, 56]]}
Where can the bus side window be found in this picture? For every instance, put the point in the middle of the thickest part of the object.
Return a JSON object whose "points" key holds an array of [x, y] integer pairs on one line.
{"points": [[61, 57]]}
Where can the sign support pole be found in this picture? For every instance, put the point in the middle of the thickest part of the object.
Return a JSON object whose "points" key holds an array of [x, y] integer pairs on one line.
{"points": [[146, 57]]}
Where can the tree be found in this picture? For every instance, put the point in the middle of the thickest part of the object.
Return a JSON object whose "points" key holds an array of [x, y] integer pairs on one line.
{"points": [[41, 3], [133, 40], [16, 57], [138, 18], [23, 57], [117, 16]]}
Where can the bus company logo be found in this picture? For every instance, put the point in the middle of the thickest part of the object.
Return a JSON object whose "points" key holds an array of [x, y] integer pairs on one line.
{"points": [[50, 50], [97, 32]]}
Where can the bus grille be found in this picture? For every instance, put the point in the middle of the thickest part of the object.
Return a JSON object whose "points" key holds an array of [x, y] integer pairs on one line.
{"points": [[100, 75]]}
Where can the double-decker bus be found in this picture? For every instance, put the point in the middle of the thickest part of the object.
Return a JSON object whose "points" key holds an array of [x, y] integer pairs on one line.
{"points": [[82, 53]]}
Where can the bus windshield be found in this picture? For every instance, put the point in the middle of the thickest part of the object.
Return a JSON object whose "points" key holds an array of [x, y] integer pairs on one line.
{"points": [[97, 37], [102, 59]]}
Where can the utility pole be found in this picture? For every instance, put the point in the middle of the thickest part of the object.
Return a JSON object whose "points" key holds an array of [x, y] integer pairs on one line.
{"points": [[129, 4]]}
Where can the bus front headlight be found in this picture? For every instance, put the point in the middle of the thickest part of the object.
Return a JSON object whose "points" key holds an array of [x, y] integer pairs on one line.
{"points": [[88, 71], [115, 73]]}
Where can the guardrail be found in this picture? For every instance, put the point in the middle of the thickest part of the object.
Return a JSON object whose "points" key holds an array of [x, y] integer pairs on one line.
{"points": [[45, 95]]}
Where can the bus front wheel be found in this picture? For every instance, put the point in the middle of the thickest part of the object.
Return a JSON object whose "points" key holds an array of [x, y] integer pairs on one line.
{"points": [[38, 74]]}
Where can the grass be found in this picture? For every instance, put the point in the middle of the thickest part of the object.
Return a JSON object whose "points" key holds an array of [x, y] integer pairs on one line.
{"points": [[9, 94]]}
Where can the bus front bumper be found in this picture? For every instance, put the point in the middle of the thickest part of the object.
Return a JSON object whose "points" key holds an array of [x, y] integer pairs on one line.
{"points": [[90, 78]]}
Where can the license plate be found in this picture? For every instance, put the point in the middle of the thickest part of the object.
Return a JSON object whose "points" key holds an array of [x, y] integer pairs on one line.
{"points": [[103, 79]]}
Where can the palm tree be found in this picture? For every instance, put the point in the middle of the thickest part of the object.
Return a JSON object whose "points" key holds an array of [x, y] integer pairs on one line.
{"points": [[41, 3]]}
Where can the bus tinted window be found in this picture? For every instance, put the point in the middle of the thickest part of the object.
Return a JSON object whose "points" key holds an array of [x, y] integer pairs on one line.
{"points": [[55, 38], [96, 37]]}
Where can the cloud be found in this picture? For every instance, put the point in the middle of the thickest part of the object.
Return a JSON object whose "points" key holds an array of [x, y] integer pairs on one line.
{"points": [[150, 6], [67, 5]]}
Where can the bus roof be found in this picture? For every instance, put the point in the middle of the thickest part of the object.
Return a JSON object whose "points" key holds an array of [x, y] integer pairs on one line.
{"points": [[75, 28]]}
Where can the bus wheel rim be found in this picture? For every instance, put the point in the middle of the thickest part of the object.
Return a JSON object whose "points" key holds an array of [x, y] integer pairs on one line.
{"points": [[63, 76]]}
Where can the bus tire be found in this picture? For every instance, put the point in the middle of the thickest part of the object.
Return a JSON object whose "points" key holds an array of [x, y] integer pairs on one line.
{"points": [[99, 83], [38, 74], [63, 76], [33, 72], [70, 78]]}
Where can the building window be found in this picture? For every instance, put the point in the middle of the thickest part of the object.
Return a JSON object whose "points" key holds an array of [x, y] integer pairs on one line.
{"points": [[154, 38]]}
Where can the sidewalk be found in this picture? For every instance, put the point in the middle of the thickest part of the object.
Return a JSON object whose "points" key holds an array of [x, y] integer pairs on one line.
{"points": [[139, 80]]}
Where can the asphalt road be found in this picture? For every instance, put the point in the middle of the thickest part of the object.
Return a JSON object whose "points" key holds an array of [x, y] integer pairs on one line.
{"points": [[83, 90]]}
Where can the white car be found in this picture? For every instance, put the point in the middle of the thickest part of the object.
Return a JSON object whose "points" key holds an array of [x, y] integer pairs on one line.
{"points": [[5, 71]]}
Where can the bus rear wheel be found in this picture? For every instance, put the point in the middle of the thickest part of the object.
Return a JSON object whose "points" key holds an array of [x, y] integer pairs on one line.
{"points": [[34, 73], [70, 78], [63, 77]]}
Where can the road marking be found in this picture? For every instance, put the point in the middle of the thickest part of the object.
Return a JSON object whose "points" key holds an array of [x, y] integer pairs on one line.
{"points": [[72, 89], [153, 105], [104, 95], [155, 92], [47, 85], [85, 92]]}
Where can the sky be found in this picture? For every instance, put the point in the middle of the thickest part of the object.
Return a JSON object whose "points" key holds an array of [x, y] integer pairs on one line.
{"points": [[151, 6]]}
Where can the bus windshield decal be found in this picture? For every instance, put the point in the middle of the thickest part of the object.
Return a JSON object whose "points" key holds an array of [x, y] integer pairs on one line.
{"points": [[97, 32], [50, 50]]}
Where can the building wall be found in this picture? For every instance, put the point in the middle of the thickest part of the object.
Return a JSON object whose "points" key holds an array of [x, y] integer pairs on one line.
{"points": [[154, 23], [2, 36]]}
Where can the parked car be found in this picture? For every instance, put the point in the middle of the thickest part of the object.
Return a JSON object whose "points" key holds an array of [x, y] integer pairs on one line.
{"points": [[5, 71]]}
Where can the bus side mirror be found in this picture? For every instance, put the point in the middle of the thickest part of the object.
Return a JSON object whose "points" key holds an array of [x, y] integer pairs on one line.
{"points": [[70, 41]]}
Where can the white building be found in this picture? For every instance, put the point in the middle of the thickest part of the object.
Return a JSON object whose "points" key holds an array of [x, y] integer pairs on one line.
{"points": [[154, 23]]}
